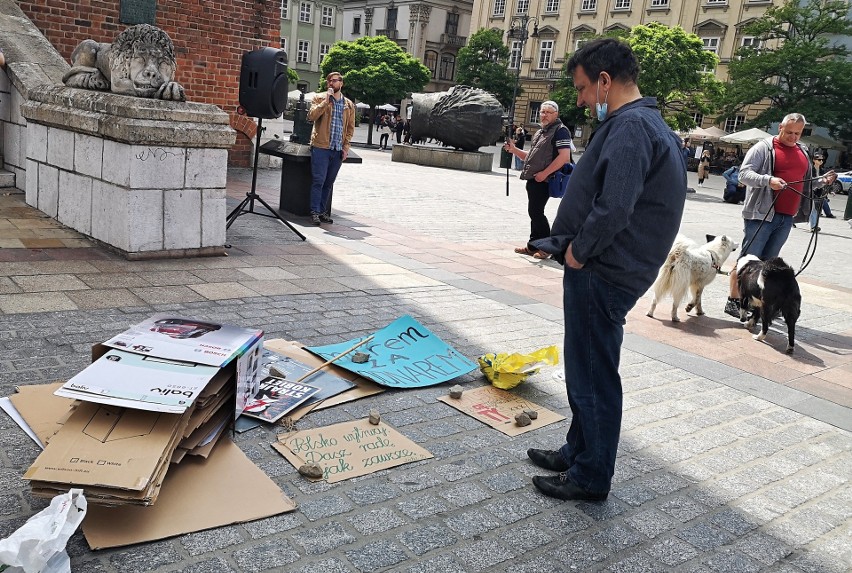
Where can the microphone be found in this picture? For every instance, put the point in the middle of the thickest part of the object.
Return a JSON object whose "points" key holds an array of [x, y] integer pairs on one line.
{"points": [[331, 94]]}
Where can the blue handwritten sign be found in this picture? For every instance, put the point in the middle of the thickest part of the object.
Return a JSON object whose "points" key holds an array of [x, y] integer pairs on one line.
{"points": [[404, 354]]}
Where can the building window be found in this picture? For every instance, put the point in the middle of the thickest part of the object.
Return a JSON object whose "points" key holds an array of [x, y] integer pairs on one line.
{"points": [[545, 54], [327, 18], [578, 43], [717, 2], [515, 55], [535, 108], [306, 12], [698, 118], [750, 42], [391, 22], [284, 44], [522, 7], [622, 4], [499, 8], [448, 67], [430, 60], [303, 54], [659, 3], [551, 7], [710, 45], [285, 9], [452, 26], [733, 124], [356, 25], [588, 5], [324, 48]]}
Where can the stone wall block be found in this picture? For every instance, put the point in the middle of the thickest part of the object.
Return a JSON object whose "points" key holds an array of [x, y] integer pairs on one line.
{"points": [[48, 189], [5, 98], [13, 145], [117, 160], [213, 209], [157, 167], [31, 196], [5, 84], [88, 155], [37, 142], [17, 101], [75, 201], [60, 148], [182, 218], [145, 216], [109, 215], [206, 168]]}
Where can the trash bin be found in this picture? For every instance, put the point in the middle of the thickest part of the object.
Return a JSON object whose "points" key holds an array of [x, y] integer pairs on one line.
{"points": [[505, 159], [847, 213]]}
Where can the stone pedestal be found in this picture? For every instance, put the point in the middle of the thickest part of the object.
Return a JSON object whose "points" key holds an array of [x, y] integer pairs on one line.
{"points": [[146, 177], [443, 157]]}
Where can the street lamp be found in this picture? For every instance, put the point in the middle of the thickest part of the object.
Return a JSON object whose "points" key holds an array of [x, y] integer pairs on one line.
{"points": [[519, 30]]}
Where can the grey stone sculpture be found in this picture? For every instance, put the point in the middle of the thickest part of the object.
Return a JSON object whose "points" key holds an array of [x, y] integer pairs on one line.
{"points": [[140, 62], [464, 117]]}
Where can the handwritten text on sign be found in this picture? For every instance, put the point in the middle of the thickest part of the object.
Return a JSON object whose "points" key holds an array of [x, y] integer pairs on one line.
{"points": [[404, 354], [349, 449]]}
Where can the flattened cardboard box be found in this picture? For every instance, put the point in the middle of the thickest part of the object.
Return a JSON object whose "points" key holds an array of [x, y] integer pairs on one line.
{"points": [[497, 408], [197, 494]]}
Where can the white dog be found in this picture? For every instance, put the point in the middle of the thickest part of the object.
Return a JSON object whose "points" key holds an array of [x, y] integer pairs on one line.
{"points": [[690, 267]]}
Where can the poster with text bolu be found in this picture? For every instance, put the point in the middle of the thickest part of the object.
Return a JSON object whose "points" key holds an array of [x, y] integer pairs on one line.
{"points": [[404, 354]]}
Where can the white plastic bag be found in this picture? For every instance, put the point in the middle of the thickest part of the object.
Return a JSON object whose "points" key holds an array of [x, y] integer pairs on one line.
{"points": [[38, 546]]}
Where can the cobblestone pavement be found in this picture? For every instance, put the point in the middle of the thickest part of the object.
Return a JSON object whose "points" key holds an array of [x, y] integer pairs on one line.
{"points": [[734, 457]]}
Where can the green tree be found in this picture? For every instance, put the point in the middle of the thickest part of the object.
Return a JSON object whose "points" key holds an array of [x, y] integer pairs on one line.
{"points": [[672, 67], [484, 63], [797, 66], [292, 76], [376, 70], [677, 70]]}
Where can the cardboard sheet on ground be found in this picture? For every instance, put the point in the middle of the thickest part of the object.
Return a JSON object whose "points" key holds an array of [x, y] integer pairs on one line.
{"points": [[349, 449], [404, 354], [497, 408], [197, 494], [41, 409]]}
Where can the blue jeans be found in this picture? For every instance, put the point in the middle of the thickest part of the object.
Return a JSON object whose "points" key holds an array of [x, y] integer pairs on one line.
{"points": [[325, 163], [594, 330], [819, 203], [519, 163], [769, 240]]}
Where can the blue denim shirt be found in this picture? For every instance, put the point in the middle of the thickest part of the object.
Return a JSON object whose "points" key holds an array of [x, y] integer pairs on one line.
{"points": [[624, 202]]}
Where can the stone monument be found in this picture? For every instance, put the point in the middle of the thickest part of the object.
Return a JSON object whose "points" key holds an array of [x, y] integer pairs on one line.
{"points": [[463, 119]]}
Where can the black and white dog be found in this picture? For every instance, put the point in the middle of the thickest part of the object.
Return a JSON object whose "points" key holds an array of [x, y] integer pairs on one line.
{"points": [[771, 287]]}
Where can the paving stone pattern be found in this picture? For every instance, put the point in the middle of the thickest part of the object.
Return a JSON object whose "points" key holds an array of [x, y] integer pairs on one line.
{"points": [[721, 468]]}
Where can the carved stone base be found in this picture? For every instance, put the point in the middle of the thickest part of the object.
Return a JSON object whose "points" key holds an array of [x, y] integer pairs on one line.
{"points": [[443, 157]]}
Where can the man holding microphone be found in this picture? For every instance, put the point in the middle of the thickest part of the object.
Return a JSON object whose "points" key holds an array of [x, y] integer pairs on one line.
{"points": [[334, 124]]}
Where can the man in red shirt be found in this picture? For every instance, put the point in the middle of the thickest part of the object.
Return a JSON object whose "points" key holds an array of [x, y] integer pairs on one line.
{"points": [[775, 169]]}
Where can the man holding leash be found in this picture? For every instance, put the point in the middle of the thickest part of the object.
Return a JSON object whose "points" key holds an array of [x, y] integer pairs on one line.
{"points": [[334, 124], [776, 172], [613, 231]]}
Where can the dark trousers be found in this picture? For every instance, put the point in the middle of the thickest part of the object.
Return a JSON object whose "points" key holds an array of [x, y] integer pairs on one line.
{"points": [[383, 140], [594, 313], [537, 196], [325, 164]]}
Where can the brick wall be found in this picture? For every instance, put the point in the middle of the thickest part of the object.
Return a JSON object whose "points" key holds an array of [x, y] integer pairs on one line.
{"points": [[209, 38]]}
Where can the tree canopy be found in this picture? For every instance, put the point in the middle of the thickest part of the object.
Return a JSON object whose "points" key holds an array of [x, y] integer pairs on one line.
{"points": [[484, 63], [799, 65], [375, 70]]}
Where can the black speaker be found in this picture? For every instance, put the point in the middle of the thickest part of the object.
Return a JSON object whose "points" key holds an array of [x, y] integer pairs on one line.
{"points": [[263, 83]]}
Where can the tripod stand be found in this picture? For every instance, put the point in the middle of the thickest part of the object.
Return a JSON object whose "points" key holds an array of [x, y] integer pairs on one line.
{"points": [[252, 196]]}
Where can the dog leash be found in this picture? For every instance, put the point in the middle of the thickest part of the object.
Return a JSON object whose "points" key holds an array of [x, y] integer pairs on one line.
{"points": [[810, 250]]}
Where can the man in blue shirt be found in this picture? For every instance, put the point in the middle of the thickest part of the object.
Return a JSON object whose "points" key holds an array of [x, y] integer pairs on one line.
{"points": [[334, 124], [613, 231]]}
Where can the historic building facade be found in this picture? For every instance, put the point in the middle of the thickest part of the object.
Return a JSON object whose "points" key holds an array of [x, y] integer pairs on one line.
{"points": [[308, 30], [432, 31], [563, 25]]}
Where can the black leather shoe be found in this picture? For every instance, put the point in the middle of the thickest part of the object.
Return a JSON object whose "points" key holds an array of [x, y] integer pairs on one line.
{"points": [[560, 487], [548, 459]]}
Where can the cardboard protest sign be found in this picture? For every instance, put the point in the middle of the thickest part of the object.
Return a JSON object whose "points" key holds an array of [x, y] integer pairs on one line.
{"points": [[349, 449], [404, 354], [498, 408]]}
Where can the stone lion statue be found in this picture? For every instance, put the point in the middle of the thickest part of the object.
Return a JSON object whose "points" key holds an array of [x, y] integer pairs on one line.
{"points": [[140, 62]]}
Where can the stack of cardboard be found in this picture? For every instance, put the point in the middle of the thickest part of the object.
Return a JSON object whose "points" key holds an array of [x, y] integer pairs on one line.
{"points": [[119, 442]]}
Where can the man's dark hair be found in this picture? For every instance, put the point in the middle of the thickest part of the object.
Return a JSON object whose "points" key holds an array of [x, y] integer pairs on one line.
{"points": [[606, 55]]}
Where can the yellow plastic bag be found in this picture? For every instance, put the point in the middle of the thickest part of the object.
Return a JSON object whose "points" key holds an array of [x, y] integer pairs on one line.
{"points": [[505, 371]]}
